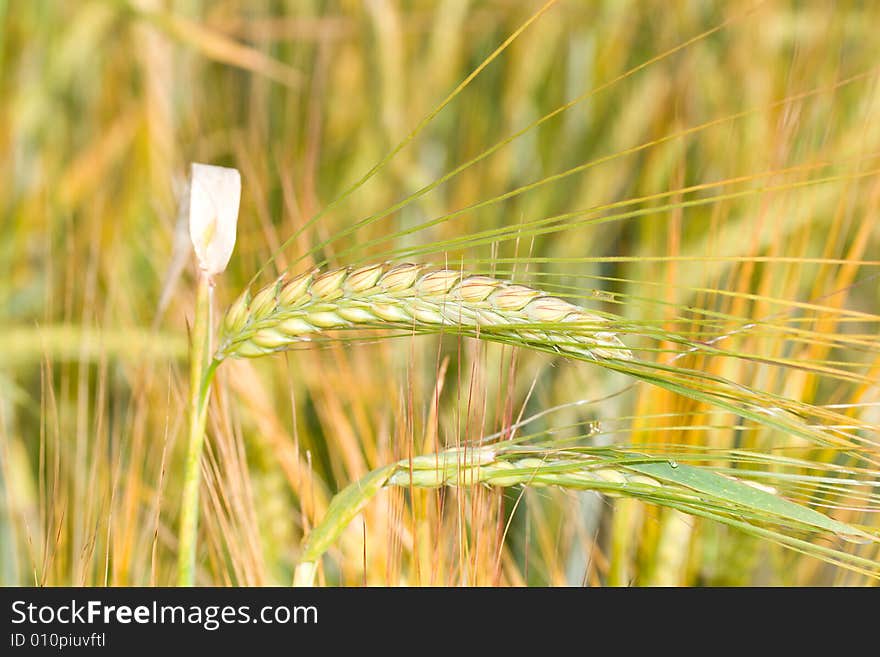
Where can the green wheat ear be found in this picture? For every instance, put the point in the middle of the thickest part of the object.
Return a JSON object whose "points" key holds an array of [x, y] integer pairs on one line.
{"points": [[412, 297]]}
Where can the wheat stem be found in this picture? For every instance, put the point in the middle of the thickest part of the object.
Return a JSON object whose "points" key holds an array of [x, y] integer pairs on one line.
{"points": [[201, 373], [416, 298]]}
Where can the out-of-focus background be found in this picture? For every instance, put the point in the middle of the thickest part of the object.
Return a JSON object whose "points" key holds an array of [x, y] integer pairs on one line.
{"points": [[732, 147]]}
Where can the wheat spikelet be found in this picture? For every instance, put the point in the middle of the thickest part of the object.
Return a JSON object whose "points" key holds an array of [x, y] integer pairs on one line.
{"points": [[412, 297]]}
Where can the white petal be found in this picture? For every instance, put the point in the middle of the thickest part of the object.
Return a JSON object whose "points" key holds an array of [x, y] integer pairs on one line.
{"points": [[214, 196]]}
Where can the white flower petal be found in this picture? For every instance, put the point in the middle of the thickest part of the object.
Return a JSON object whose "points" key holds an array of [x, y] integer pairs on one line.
{"points": [[214, 196]]}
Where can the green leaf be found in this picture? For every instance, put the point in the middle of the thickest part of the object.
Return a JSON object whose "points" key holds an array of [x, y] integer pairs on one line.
{"points": [[738, 494]]}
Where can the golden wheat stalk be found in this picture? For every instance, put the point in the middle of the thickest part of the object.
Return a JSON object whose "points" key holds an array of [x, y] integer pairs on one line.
{"points": [[416, 298]]}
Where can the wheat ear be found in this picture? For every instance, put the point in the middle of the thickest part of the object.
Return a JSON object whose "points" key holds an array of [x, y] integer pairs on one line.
{"points": [[465, 468], [415, 298]]}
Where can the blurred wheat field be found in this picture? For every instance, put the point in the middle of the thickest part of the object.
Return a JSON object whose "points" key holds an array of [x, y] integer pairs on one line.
{"points": [[707, 173]]}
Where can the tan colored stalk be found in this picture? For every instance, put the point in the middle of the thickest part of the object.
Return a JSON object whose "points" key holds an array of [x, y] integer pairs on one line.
{"points": [[416, 298]]}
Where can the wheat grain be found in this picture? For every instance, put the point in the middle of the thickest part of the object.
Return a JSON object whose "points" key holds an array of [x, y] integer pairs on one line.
{"points": [[416, 298]]}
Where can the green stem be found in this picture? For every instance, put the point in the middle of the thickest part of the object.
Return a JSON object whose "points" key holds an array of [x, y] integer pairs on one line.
{"points": [[201, 372], [343, 508]]}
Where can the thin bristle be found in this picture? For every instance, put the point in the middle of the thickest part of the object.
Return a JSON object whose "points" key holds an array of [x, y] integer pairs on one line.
{"points": [[413, 297]]}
